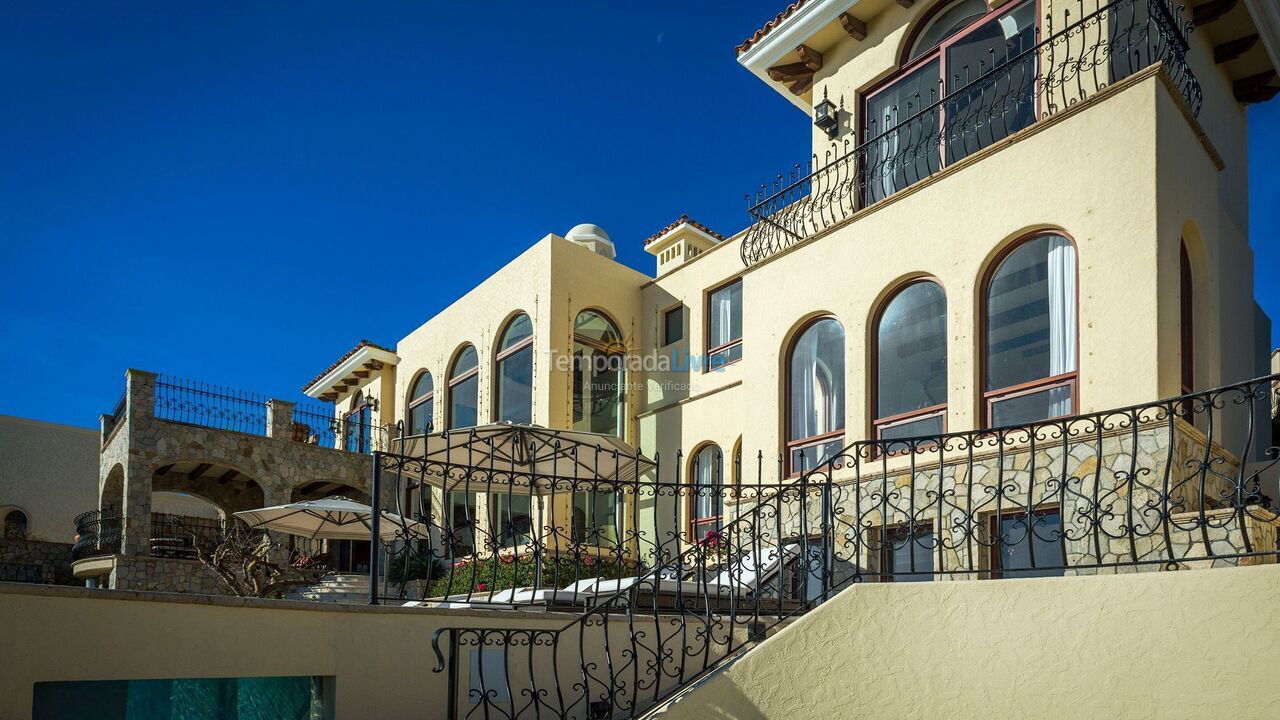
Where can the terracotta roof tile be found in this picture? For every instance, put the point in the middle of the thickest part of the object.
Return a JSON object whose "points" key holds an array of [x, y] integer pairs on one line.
{"points": [[344, 358], [769, 26], [683, 219]]}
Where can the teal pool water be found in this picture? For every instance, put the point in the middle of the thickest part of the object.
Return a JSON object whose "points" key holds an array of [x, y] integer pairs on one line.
{"points": [[258, 698]]}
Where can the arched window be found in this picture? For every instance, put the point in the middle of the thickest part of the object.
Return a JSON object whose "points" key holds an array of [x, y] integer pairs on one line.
{"points": [[15, 524], [1030, 338], [514, 399], [707, 471], [464, 386], [1186, 312], [815, 395], [911, 363], [960, 42], [598, 363], [421, 405]]}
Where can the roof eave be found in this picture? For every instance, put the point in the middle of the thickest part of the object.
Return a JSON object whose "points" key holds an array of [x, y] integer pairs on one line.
{"points": [[791, 32], [356, 361]]}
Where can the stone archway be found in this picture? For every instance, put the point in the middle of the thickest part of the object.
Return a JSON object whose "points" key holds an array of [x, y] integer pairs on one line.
{"points": [[111, 492], [226, 487]]}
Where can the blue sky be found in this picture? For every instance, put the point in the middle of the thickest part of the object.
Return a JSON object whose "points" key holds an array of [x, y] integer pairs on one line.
{"points": [[201, 189]]}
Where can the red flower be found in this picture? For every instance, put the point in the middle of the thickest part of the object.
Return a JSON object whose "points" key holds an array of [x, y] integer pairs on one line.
{"points": [[482, 586], [508, 559], [460, 564], [589, 560]]}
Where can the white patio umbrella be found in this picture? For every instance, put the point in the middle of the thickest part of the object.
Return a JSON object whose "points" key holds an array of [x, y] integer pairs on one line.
{"points": [[519, 458], [331, 519]]}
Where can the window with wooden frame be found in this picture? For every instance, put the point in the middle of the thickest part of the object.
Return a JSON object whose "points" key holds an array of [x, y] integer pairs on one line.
{"points": [[935, 110], [513, 401], [909, 375], [1029, 333], [421, 404], [815, 395], [599, 374], [907, 552], [673, 325], [464, 389], [1027, 545], [357, 426], [724, 325], [707, 503]]}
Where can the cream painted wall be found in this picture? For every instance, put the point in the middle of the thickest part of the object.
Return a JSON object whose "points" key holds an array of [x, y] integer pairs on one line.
{"points": [[1112, 216], [1191, 644], [380, 658], [49, 472]]}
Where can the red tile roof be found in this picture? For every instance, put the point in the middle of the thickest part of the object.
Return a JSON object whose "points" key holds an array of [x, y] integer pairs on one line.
{"points": [[682, 220], [769, 26], [344, 358]]}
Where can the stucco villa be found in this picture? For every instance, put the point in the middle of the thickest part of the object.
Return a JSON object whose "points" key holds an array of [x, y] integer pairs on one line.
{"points": [[977, 415]]}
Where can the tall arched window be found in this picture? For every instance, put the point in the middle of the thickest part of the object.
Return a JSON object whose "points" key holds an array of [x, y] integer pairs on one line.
{"points": [[421, 404], [1186, 311], [961, 41], [464, 386], [707, 471], [598, 364], [514, 399], [815, 395], [1030, 339], [911, 363]]}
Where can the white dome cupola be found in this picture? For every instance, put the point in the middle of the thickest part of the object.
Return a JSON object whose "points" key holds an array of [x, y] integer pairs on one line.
{"points": [[593, 238]]}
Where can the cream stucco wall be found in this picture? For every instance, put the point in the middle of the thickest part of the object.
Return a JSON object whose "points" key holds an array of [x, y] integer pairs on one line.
{"points": [[49, 472], [1190, 644], [1114, 217], [379, 657]]}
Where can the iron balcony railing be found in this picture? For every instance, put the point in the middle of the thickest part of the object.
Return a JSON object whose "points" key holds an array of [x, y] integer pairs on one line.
{"points": [[1100, 43], [97, 534], [223, 408], [172, 536], [1179, 483], [212, 406]]}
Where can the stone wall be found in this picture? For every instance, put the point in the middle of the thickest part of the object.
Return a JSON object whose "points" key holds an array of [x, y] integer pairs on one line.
{"points": [[1129, 498], [36, 561], [268, 470], [164, 575]]}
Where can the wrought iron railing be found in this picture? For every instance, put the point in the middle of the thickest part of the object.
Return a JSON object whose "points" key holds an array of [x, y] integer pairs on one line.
{"points": [[116, 415], [96, 535], [213, 406], [1178, 483], [323, 428], [172, 536], [1099, 44]]}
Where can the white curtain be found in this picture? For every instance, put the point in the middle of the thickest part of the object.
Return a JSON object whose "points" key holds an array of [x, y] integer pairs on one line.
{"points": [[887, 149], [724, 313], [1062, 319], [804, 387], [708, 476]]}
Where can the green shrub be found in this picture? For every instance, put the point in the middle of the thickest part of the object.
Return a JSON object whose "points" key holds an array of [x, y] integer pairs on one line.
{"points": [[420, 567]]}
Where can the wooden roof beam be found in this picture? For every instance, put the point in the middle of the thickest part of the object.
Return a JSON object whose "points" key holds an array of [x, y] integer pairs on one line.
{"points": [[1233, 49], [1208, 12], [789, 72], [1256, 88], [810, 57], [852, 25]]}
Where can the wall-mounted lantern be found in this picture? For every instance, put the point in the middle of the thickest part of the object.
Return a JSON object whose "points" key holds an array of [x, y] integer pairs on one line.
{"points": [[826, 117]]}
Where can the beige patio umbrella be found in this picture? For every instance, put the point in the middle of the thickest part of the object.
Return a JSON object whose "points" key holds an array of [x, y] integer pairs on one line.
{"points": [[519, 458], [333, 518]]}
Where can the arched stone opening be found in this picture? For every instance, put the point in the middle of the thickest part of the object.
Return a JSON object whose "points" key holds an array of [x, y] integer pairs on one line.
{"points": [[229, 489]]}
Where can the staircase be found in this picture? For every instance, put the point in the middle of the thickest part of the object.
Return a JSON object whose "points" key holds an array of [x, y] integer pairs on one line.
{"points": [[349, 588]]}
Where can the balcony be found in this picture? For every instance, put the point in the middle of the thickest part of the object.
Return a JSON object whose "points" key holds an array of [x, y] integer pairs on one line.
{"points": [[923, 123]]}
